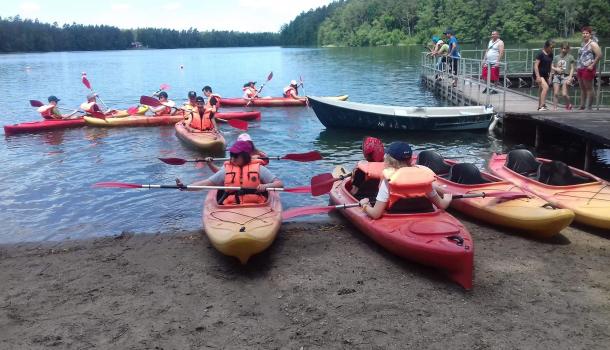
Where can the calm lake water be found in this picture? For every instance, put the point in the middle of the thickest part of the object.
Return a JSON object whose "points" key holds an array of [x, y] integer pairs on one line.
{"points": [[46, 178]]}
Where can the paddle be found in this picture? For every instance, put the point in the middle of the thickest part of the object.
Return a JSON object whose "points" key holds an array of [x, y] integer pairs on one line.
{"points": [[153, 102], [323, 183], [269, 77], [303, 211], [297, 157], [162, 87], [301, 189], [88, 85]]}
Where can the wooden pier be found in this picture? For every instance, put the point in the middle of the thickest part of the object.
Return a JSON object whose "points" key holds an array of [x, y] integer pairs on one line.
{"points": [[518, 111]]}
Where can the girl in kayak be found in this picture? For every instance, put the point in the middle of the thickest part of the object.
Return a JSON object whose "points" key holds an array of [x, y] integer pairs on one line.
{"points": [[201, 118], [51, 111], [167, 105], [241, 171], [398, 156], [250, 91], [255, 154], [373, 151]]}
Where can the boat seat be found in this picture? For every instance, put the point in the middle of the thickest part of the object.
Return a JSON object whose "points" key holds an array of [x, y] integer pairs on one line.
{"points": [[556, 173], [412, 206], [522, 162], [466, 174], [221, 195], [434, 161]]}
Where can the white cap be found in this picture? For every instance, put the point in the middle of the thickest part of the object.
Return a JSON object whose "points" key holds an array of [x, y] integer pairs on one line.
{"points": [[244, 137], [293, 82]]}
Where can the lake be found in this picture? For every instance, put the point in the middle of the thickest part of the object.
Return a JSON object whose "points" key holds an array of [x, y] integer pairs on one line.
{"points": [[46, 178]]}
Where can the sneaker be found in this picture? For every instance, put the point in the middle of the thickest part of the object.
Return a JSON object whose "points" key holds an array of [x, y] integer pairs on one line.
{"points": [[542, 109], [569, 107]]}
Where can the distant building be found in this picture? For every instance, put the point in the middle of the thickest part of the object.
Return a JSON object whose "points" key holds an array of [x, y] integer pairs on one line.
{"points": [[137, 45]]}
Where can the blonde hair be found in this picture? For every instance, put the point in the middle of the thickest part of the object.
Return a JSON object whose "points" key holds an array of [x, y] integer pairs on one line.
{"points": [[391, 162]]}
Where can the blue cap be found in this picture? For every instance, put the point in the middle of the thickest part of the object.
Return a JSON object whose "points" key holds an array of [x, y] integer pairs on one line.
{"points": [[435, 39], [399, 150], [53, 98]]}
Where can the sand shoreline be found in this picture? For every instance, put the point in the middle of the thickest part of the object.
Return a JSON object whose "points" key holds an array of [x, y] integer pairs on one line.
{"points": [[321, 285]]}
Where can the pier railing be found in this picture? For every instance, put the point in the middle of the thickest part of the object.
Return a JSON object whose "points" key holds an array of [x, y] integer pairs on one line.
{"points": [[466, 87]]}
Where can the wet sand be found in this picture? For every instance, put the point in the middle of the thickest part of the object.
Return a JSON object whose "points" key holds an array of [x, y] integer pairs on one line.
{"points": [[321, 285]]}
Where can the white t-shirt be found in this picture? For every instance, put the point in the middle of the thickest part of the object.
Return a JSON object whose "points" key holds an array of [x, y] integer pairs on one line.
{"points": [[493, 51]]}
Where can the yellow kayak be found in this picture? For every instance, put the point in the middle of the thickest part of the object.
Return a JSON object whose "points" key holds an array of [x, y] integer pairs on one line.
{"points": [[531, 216], [134, 120], [242, 230]]}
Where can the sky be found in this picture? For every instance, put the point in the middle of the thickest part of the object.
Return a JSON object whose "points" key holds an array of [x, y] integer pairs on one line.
{"points": [[239, 15]]}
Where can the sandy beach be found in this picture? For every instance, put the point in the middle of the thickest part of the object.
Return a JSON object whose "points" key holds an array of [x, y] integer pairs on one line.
{"points": [[321, 285]]}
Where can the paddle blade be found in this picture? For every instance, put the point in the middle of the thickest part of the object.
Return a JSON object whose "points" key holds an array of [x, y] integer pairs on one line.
{"points": [[86, 82], [301, 189], [270, 76], [322, 184], [35, 103], [173, 161], [164, 87], [304, 157], [132, 110], [115, 185], [304, 211], [238, 124], [149, 101]]}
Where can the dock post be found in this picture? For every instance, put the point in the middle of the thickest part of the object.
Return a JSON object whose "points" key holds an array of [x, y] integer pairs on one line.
{"points": [[587, 156]]}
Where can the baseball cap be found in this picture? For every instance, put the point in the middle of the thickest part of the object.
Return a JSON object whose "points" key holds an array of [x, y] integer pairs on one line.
{"points": [[241, 146], [399, 150], [244, 137], [200, 99], [163, 94], [293, 82], [53, 98], [192, 94]]}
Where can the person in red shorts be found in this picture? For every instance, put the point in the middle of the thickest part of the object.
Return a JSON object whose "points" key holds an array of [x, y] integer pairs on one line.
{"points": [[492, 58], [588, 56]]}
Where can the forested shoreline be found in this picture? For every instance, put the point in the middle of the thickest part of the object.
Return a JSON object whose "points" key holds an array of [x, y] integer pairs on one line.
{"points": [[390, 22], [25, 35]]}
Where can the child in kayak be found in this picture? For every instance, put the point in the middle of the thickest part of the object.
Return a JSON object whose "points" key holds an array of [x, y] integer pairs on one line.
{"points": [[167, 105], [292, 91], [192, 101], [250, 90], [51, 111], [201, 118], [397, 156], [241, 171], [92, 106], [213, 99], [255, 154], [373, 151]]}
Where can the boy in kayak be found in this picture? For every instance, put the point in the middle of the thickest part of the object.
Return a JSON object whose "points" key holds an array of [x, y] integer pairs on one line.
{"points": [[201, 118], [241, 171], [192, 101], [167, 105], [213, 99], [51, 111], [92, 106], [397, 156], [373, 151]]}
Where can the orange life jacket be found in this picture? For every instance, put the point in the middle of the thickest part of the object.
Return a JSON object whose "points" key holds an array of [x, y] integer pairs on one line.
{"points": [[90, 107], [246, 176], [217, 96], [201, 122], [408, 182], [288, 91], [371, 170]]}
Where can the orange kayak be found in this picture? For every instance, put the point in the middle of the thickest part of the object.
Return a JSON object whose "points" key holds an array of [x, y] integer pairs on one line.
{"points": [[242, 230], [528, 215], [207, 141], [589, 199]]}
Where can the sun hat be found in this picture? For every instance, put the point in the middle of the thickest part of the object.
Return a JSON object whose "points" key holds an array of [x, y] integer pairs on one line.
{"points": [[241, 146], [244, 137]]}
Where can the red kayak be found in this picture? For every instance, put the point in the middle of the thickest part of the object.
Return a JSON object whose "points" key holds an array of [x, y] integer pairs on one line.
{"points": [[431, 237], [269, 102], [253, 115], [43, 125]]}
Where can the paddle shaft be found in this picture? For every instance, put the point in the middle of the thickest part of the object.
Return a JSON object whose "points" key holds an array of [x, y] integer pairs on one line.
{"points": [[227, 159], [191, 187]]}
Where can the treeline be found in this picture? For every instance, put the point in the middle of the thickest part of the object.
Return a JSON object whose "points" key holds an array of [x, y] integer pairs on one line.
{"points": [[390, 22], [24, 35]]}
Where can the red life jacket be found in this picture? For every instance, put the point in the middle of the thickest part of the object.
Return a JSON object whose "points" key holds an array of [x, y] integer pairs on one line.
{"points": [[201, 122], [90, 107], [408, 182], [46, 111], [246, 176], [250, 92], [288, 91]]}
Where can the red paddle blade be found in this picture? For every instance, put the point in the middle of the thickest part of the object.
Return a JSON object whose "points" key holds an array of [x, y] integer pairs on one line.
{"points": [[149, 101], [164, 87], [36, 103], [301, 189], [304, 157], [132, 110], [322, 184], [296, 212], [238, 124], [116, 185], [270, 76], [173, 161], [86, 82]]}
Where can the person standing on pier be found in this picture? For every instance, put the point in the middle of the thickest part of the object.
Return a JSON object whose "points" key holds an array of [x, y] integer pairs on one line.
{"points": [[562, 71], [492, 58], [542, 72], [454, 54], [588, 56]]}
